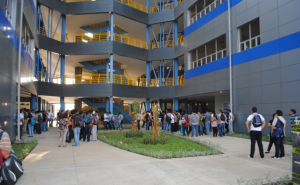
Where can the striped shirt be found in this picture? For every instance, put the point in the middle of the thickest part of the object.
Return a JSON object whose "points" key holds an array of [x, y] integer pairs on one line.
{"points": [[5, 144]]}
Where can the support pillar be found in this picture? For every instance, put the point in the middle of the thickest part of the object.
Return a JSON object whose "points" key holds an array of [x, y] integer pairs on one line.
{"points": [[176, 32], [148, 104], [107, 31], [62, 57], [193, 105], [175, 104], [186, 108], [107, 68], [148, 73], [176, 71], [111, 105], [111, 69], [112, 26], [148, 36], [33, 102], [62, 103], [39, 103], [160, 104], [107, 105]]}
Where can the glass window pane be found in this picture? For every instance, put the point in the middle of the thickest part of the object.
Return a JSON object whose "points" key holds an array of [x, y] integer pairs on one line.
{"points": [[221, 43], [210, 47], [193, 55], [208, 2], [253, 43], [244, 31], [213, 57], [258, 41], [200, 6], [193, 11], [255, 28], [242, 47], [201, 52], [247, 45]]}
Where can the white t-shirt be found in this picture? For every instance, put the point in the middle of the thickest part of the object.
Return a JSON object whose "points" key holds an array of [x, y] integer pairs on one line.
{"points": [[172, 118], [219, 116], [230, 117], [106, 118], [250, 117], [21, 117], [49, 115]]}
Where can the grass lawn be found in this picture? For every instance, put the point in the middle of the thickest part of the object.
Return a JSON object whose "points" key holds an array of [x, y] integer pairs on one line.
{"points": [[124, 127], [175, 147], [264, 138], [22, 150]]}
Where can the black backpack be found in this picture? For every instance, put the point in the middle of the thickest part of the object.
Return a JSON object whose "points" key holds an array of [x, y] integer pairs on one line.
{"points": [[77, 120], [256, 120], [87, 120], [168, 119], [279, 129], [222, 117], [11, 169], [40, 119], [102, 118]]}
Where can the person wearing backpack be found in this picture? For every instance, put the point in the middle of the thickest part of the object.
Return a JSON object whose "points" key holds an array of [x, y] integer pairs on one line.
{"points": [[88, 121], [95, 125], [120, 121], [76, 124], [207, 117], [257, 124], [278, 132], [172, 117], [111, 121], [31, 123], [63, 126], [185, 124], [165, 124], [222, 119], [38, 121], [194, 121]]}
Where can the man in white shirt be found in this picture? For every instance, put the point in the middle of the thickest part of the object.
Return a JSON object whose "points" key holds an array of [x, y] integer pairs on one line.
{"points": [[257, 124], [106, 120], [278, 133], [21, 115], [230, 126], [48, 118], [172, 122]]}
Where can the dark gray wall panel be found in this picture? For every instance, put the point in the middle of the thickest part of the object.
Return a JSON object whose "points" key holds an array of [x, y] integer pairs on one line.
{"points": [[161, 54], [162, 16], [130, 12], [55, 4], [89, 7], [51, 44], [129, 51], [31, 20]]}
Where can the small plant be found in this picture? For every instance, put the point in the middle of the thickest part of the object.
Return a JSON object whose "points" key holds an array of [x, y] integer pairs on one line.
{"points": [[154, 141], [134, 134], [284, 180]]}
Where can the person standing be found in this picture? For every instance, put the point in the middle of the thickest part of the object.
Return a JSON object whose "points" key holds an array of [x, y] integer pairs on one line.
{"points": [[106, 120], [120, 120], [257, 122], [200, 128], [194, 121], [172, 122], [63, 130], [31, 123], [222, 119], [95, 125], [111, 121], [88, 121], [43, 126], [49, 118], [38, 121], [165, 124], [19, 123], [271, 137], [214, 126], [139, 120], [76, 123], [278, 132], [147, 118], [207, 121], [185, 124], [230, 121]]}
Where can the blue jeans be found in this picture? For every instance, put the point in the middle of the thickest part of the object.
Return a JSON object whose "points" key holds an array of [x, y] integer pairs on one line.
{"points": [[87, 132], [147, 125], [76, 131], [201, 129], [222, 129], [43, 126], [194, 128], [51, 122], [164, 125], [30, 128], [207, 123], [105, 125], [120, 126]]}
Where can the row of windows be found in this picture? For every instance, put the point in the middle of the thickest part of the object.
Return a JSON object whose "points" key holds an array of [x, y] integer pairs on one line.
{"points": [[248, 37], [202, 7]]}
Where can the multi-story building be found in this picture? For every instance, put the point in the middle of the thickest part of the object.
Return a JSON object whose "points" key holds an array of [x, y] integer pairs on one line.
{"points": [[183, 54]]}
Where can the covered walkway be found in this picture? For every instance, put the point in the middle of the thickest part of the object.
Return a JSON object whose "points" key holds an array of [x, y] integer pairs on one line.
{"points": [[99, 163]]}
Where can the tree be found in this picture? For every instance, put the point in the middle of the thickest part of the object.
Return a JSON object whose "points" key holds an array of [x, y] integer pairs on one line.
{"points": [[135, 107]]}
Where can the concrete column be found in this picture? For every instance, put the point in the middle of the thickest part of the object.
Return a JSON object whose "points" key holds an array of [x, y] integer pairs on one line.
{"points": [[175, 104], [107, 104], [111, 68], [112, 26], [160, 104], [39, 102], [148, 73], [193, 105], [78, 75], [78, 105], [107, 69], [165, 106], [33, 102], [62, 103]]}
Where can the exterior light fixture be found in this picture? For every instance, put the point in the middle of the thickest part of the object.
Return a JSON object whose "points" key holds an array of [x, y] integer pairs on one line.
{"points": [[89, 35], [84, 40]]}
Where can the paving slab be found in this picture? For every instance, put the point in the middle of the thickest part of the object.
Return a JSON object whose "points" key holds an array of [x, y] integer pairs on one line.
{"points": [[99, 163]]}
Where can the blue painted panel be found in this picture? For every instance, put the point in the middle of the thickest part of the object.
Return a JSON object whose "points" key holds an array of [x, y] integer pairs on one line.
{"points": [[221, 63], [243, 57], [210, 67], [290, 42], [12, 36], [234, 59], [33, 7], [270, 48], [254, 53]]}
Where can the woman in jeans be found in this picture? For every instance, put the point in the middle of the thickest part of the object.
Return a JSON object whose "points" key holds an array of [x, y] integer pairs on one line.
{"points": [[30, 126], [64, 130], [271, 137]]}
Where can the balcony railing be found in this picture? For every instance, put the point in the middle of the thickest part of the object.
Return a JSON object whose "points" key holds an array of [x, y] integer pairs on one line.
{"points": [[207, 9], [250, 43], [135, 5], [210, 58], [103, 79], [167, 44], [180, 39]]}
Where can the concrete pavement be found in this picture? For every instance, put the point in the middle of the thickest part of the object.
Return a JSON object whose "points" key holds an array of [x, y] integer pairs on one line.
{"points": [[100, 163]]}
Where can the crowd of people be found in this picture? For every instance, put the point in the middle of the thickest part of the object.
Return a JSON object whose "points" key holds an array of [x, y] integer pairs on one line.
{"points": [[195, 123]]}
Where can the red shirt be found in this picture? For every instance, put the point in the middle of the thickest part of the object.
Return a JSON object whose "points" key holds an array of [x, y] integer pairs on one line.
{"points": [[186, 118]]}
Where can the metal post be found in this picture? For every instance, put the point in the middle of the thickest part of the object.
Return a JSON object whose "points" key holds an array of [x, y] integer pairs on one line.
{"points": [[111, 105], [175, 3], [107, 30], [50, 65], [62, 103], [111, 68], [148, 72], [48, 21], [111, 26], [148, 5], [148, 104], [176, 33], [163, 72], [159, 35], [163, 35], [62, 69], [47, 66], [51, 24], [160, 73], [19, 65], [230, 65], [107, 67], [39, 103], [176, 71], [148, 36], [107, 104]]}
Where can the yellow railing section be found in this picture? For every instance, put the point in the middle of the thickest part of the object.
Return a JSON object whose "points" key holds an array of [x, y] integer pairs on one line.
{"points": [[180, 39], [165, 7], [167, 44], [130, 41], [135, 5], [72, 1], [103, 62], [117, 79], [98, 25]]}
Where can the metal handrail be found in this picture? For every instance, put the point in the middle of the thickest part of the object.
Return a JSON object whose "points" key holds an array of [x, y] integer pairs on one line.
{"points": [[167, 44], [180, 39], [247, 44], [130, 41], [134, 4], [209, 58]]}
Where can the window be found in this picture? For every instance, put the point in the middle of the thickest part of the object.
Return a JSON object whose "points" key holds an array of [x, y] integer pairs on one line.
{"points": [[27, 39], [209, 52], [249, 35], [201, 8]]}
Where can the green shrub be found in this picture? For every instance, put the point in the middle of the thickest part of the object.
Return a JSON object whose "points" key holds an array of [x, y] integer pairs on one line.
{"points": [[134, 134], [154, 141]]}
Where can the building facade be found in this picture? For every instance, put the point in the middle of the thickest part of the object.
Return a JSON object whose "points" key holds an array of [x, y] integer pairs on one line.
{"points": [[183, 54]]}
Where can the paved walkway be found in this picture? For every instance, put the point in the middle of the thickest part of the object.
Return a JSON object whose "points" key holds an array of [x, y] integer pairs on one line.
{"points": [[99, 163]]}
